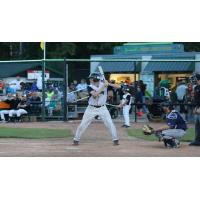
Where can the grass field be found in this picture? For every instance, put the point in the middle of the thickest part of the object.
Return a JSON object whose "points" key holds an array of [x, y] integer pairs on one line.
{"points": [[33, 133], [138, 134]]}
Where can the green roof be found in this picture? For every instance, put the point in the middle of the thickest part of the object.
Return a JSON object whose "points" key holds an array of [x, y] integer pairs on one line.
{"points": [[147, 43], [170, 67]]}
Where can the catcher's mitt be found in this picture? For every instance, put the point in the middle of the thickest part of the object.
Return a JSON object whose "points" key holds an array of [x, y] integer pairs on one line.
{"points": [[148, 130]]}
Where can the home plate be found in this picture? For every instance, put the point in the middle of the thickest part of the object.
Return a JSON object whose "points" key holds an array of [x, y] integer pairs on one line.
{"points": [[72, 148]]}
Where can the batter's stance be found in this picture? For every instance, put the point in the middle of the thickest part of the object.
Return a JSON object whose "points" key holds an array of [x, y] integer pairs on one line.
{"points": [[97, 106]]}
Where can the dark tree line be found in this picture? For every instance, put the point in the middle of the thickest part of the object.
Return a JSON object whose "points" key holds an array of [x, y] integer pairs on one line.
{"points": [[32, 50]]}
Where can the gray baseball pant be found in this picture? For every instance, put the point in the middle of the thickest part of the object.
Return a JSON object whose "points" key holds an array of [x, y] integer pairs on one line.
{"points": [[174, 133], [89, 116]]}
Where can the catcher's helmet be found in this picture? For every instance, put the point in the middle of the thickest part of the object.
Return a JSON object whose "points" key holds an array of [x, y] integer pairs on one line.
{"points": [[95, 76]]}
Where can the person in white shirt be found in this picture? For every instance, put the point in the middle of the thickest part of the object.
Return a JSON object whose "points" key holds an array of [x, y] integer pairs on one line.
{"points": [[15, 84], [82, 85], [181, 92], [82, 89], [39, 82], [97, 106]]}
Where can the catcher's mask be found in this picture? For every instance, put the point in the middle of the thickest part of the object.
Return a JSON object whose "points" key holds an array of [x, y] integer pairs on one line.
{"points": [[96, 77]]}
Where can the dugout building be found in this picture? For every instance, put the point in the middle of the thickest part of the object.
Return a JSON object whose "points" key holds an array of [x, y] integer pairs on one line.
{"points": [[150, 72]]}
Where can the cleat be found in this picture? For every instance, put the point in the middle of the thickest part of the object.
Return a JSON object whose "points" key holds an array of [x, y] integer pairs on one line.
{"points": [[116, 142], [75, 143]]}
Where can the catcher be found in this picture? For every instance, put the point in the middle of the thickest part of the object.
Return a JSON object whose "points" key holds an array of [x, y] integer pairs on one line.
{"points": [[174, 130]]}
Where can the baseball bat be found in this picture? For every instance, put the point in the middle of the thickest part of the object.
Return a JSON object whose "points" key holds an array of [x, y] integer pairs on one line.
{"points": [[101, 72]]}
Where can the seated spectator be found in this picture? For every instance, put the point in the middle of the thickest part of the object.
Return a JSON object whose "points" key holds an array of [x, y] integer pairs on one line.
{"points": [[35, 103], [71, 96], [82, 85], [22, 108], [82, 89], [2, 85], [34, 87], [13, 101], [72, 87], [52, 105], [75, 83]]}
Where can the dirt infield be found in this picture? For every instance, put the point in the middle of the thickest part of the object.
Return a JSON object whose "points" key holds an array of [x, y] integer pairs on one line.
{"points": [[95, 142]]}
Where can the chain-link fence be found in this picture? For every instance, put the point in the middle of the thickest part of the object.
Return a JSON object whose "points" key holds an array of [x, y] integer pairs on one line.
{"points": [[51, 86]]}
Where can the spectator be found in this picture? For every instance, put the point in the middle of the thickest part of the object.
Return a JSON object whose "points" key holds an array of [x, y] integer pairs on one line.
{"points": [[39, 82], [138, 100], [9, 90], [173, 96], [71, 96], [189, 99], [114, 90], [72, 87], [82, 89], [35, 103], [52, 105], [128, 81], [49, 95], [13, 101], [22, 108], [75, 83], [13, 105], [34, 87], [15, 84], [143, 90], [5, 111], [110, 94], [2, 85], [181, 92], [82, 85]]}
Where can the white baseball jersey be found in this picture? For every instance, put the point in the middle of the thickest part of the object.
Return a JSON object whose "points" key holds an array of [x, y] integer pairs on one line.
{"points": [[127, 97], [101, 99]]}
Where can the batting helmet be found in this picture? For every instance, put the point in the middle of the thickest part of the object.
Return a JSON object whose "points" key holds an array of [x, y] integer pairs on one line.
{"points": [[95, 76]]}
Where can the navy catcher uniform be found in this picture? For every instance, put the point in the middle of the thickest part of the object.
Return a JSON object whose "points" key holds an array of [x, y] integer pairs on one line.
{"points": [[176, 128], [96, 106]]}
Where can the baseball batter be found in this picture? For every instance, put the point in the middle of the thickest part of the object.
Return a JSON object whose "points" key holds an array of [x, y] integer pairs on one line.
{"points": [[96, 106]]}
